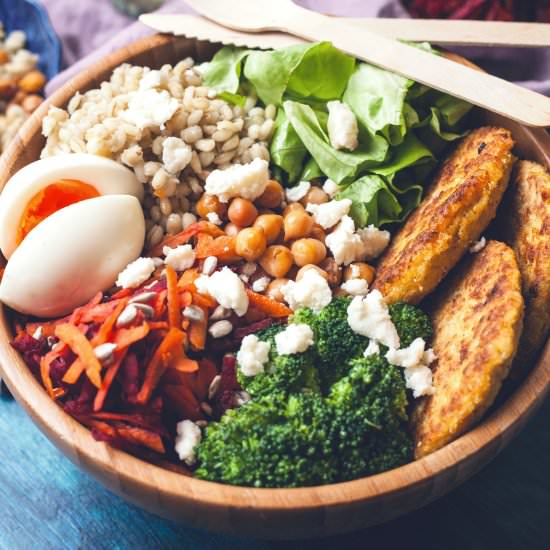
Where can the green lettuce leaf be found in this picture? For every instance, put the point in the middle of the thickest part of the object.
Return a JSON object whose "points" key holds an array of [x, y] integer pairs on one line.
{"points": [[340, 166], [223, 73]]}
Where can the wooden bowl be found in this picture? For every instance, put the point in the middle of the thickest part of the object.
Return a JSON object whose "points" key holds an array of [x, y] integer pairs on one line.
{"points": [[268, 513]]}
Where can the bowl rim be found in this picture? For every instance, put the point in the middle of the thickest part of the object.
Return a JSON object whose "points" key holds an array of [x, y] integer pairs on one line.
{"points": [[123, 469]]}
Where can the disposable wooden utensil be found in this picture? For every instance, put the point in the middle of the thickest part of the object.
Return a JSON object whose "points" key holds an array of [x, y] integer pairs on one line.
{"points": [[436, 31], [489, 92]]}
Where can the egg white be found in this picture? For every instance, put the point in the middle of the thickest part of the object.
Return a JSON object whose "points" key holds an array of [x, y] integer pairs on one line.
{"points": [[74, 253], [106, 175]]}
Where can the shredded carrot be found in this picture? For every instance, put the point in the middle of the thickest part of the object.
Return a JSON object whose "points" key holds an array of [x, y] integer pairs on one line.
{"points": [[269, 306], [79, 311], [75, 370], [197, 332], [182, 400], [160, 303], [184, 236], [203, 244], [203, 300], [80, 345], [222, 248], [174, 310], [186, 299], [158, 325], [125, 337], [169, 349], [106, 328], [188, 278], [122, 293], [139, 436], [112, 371], [184, 364], [45, 364]]}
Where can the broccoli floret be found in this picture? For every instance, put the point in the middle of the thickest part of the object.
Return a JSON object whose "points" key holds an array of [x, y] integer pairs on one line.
{"points": [[411, 323], [283, 373], [275, 441], [335, 342], [370, 418]]}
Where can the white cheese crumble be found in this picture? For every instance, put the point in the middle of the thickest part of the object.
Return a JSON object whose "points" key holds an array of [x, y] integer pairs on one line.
{"points": [[239, 180], [136, 273], [296, 338], [342, 126], [370, 317], [259, 285], [180, 258], [176, 154], [152, 79], [252, 355], [355, 287], [419, 379], [187, 438], [294, 194], [312, 291], [212, 217], [226, 288], [330, 187], [329, 213], [348, 245], [409, 356], [150, 108], [478, 246], [372, 349]]}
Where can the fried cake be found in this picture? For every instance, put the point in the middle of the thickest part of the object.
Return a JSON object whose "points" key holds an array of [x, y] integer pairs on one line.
{"points": [[527, 223], [458, 207], [477, 321]]}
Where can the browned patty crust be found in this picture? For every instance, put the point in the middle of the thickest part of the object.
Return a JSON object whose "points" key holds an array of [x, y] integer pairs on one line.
{"points": [[477, 321], [458, 207]]}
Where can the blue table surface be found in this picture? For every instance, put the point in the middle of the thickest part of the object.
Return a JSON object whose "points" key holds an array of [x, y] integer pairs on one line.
{"points": [[46, 502]]}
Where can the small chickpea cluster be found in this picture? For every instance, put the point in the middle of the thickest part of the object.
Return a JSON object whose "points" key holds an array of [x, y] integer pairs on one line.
{"points": [[282, 238], [20, 84]]}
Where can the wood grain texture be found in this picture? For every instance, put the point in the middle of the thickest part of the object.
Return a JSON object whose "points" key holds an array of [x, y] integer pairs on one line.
{"points": [[280, 513]]}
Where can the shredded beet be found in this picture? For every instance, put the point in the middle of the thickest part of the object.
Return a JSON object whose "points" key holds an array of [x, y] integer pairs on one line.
{"points": [[225, 398], [31, 349], [241, 332]]}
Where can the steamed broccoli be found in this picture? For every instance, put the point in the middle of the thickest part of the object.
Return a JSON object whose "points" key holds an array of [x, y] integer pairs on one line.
{"points": [[411, 323], [283, 373]]}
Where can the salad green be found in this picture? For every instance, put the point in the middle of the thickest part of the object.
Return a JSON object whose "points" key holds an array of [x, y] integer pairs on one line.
{"points": [[403, 126]]}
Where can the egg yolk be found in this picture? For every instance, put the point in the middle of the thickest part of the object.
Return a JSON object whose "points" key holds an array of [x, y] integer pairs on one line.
{"points": [[52, 198]]}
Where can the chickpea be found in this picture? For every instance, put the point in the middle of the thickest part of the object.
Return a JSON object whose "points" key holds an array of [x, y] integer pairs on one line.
{"points": [[315, 195], [4, 56], [210, 203], [31, 102], [277, 260], [317, 232], [307, 267], [273, 290], [292, 207], [231, 229], [333, 271], [297, 224], [33, 81], [359, 270], [242, 212], [308, 251], [250, 243], [272, 196], [271, 224]]}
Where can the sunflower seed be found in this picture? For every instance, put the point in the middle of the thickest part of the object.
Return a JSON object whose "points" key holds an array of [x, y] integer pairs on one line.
{"points": [[206, 408], [220, 329], [201, 423], [214, 386], [241, 397], [220, 313], [193, 313], [37, 334], [127, 317], [148, 311], [209, 265], [144, 297], [104, 352]]}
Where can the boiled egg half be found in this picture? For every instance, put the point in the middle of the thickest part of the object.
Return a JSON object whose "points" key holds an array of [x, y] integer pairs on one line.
{"points": [[72, 254], [48, 185]]}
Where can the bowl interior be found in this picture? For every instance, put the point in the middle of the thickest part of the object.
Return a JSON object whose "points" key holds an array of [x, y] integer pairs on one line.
{"points": [[273, 513]]}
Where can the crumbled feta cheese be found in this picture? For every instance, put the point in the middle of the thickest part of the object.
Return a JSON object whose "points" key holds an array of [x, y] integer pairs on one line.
{"points": [[429, 357], [239, 180], [152, 79], [369, 316], [478, 246], [150, 108], [348, 245], [226, 288], [209, 265], [176, 154], [372, 349], [252, 355], [419, 380], [329, 213], [249, 268], [259, 285], [294, 194], [136, 273], [330, 187], [342, 126], [212, 217], [187, 438], [355, 287], [180, 258], [296, 338], [311, 291], [409, 356]]}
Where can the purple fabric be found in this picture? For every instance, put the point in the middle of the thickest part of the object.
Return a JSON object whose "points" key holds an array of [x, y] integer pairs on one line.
{"points": [[90, 29]]}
